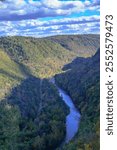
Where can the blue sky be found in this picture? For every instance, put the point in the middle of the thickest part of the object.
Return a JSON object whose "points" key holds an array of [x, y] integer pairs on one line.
{"points": [[40, 18]]}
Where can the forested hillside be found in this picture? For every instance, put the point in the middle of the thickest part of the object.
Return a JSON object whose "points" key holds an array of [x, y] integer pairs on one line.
{"points": [[46, 56], [10, 73], [83, 45], [21, 57], [32, 117], [43, 57], [32, 114], [82, 82]]}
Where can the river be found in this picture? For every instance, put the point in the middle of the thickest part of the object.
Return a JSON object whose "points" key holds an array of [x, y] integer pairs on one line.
{"points": [[73, 118]]}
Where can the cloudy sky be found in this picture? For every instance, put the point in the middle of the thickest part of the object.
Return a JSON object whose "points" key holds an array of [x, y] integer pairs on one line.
{"points": [[41, 18]]}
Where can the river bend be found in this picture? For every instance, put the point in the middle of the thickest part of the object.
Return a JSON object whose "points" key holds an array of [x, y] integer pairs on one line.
{"points": [[73, 118]]}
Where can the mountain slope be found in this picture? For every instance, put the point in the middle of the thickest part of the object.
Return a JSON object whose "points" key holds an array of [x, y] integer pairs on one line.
{"points": [[21, 57], [82, 45], [43, 57], [32, 117], [32, 112], [82, 82], [46, 56], [10, 73]]}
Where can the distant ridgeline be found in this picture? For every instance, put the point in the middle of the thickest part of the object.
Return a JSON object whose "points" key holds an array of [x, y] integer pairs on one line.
{"points": [[32, 114]]}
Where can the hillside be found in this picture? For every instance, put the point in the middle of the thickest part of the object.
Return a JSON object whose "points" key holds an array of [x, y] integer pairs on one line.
{"points": [[32, 117], [43, 57], [10, 73], [82, 82], [46, 56], [32, 112], [83, 45]]}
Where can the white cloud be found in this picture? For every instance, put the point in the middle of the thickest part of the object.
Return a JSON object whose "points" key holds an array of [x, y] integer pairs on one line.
{"points": [[51, 27], [18, 17], [21, 10], [51, 3]]}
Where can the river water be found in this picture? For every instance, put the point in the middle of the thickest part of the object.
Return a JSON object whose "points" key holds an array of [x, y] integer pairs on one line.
{"points": [[73, 118]]}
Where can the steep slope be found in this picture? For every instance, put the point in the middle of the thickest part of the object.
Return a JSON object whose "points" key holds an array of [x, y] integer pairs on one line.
{"points": [[82, 45], [46, 56], [81, 80], [32, 117], [10, 73], [43, 57], [32, 113]]}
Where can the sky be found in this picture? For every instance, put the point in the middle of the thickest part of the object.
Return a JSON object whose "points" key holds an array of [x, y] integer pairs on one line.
{"points": [[41, 18]]}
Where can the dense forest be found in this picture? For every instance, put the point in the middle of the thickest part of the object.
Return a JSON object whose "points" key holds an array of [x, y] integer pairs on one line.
{"points": [[32, 114], [41, 123], [82, 81], [42, 56]]}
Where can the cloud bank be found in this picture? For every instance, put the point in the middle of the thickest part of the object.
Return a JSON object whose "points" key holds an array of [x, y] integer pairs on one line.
{"points": [[11, 10], [48, 17]]}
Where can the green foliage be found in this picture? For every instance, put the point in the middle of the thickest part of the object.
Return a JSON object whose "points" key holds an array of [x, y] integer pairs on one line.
{"points": [[81, 81], [82, 45], [9, 127], [41, 125], [21, 57], [43, 57], [10, 73], [32, 115]]}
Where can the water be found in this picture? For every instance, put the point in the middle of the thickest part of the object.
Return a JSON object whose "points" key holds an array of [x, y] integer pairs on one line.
{"points": [[73, 118]]}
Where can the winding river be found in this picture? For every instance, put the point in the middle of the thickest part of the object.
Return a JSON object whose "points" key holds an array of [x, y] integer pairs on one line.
{"points": [[73, 118]]}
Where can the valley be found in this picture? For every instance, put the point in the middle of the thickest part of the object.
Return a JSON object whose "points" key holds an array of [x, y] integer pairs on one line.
{"points": [[73, 118], [32, 111]]}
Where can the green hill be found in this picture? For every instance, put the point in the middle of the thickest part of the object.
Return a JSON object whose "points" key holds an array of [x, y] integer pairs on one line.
{"points": [[43, 57], [46, 56], [82, 45], [32, 112], [10, 73]]}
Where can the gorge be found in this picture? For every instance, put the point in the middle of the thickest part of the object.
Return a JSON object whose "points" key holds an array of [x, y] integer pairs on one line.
{"points": [[34, 113]]}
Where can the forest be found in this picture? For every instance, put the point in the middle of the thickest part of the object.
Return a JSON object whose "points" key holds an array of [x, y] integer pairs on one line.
{"points": [[41, 123], [32, 114], [82, 82]]}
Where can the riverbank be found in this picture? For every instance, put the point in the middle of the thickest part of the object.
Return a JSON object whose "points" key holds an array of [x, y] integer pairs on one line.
{"points": [[73, 118]]}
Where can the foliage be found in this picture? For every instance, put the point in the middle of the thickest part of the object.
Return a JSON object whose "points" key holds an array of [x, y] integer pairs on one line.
{"points": [[43, 57], [40, 122], [10, 73], [82, 45], [9, 126], [81, 81], [32, 115], [21, 57]]}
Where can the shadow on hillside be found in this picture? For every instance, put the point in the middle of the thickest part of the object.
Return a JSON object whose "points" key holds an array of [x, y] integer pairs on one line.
{"points": [[25, 70], [26, 96], [81, 62], [80, 76]]}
